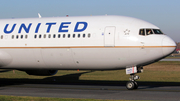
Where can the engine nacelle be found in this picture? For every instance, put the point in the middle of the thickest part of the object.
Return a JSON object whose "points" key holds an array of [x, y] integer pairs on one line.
{"points": [[41, 72]]}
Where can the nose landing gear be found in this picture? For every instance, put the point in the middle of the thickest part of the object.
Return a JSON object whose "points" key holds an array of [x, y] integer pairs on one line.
{"points": [[132, 84]]}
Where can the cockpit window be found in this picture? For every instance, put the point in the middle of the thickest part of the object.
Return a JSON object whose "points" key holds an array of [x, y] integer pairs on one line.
{"points": [[149, 31], [145, 32], [157, 31], [141, 32]]}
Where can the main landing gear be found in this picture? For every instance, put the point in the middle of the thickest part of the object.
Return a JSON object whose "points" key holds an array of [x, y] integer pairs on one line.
{"points": [[132, 84]]}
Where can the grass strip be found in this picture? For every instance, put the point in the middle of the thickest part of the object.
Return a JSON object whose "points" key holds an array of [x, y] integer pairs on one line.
{"points": [[25, 98]]}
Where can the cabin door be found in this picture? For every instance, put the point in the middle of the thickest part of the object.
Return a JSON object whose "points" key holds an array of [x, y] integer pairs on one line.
{"points": [[109, 34]]}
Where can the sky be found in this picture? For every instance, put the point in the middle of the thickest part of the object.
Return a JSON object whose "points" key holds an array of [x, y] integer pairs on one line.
{"points": [[163, 13]]}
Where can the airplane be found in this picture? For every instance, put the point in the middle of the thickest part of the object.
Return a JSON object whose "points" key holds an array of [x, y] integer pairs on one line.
{"points": [[44, 45]]}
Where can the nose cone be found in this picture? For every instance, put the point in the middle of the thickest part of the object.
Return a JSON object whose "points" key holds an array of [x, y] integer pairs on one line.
{"points": [[168, 45]]}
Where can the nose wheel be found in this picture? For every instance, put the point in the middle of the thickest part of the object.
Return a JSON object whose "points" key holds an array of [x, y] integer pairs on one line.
{"points": [[132, 84]]}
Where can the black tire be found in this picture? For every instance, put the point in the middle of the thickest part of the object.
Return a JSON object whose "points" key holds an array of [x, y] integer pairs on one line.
{"points": [[130, 85], [135, 85]]}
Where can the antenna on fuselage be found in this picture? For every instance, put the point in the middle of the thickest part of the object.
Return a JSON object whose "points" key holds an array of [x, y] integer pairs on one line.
{"points": [[39, 15]]}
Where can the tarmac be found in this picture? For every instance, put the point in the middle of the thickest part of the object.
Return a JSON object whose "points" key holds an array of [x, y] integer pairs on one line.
{"points": [[158, 93]]}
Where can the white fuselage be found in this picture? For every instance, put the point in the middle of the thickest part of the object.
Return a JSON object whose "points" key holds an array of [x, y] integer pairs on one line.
{"points": [[92, 43]]}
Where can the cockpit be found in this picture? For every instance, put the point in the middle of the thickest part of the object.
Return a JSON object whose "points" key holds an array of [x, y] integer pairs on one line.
{"points": [[145, 32]]}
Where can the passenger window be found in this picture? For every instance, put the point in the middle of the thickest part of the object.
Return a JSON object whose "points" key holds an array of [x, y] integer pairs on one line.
{"points": [[35, 36], [79, 35], [1, 36], [74, 35], [40, 36], [21, 36], [59, 35], [84, 35], [69, 35], [12, 36], [64, 35], [49, 36], [17, 36], [44, 35], [149, 31], [54, 36], [89, 35], [142, 32], [26, 36]]}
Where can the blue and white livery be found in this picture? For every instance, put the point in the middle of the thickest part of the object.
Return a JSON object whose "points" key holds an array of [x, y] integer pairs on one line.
{"points": [[41, 46]]}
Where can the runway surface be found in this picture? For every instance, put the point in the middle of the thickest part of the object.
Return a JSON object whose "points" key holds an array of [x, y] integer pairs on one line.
{"points": [[160, 93]]}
